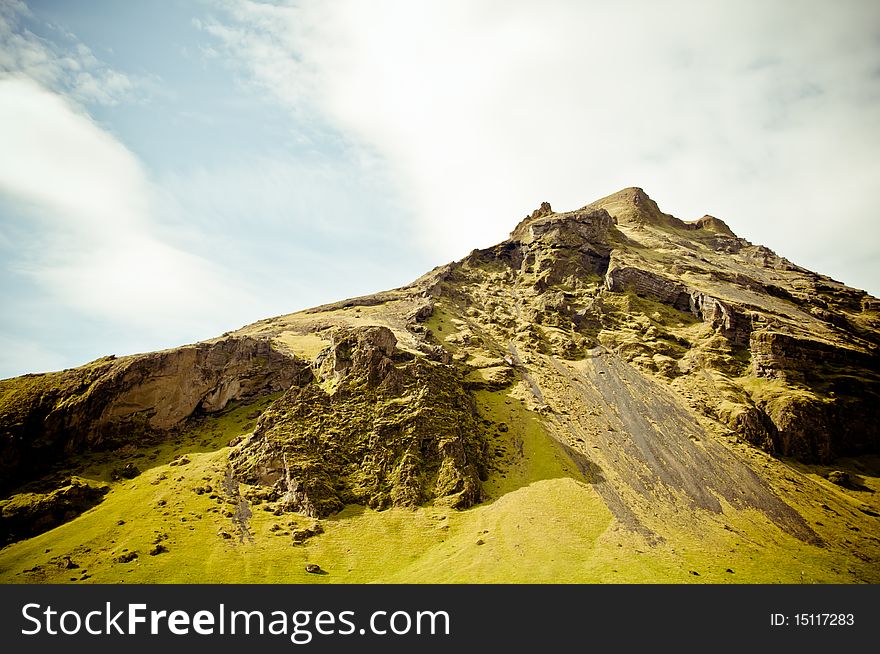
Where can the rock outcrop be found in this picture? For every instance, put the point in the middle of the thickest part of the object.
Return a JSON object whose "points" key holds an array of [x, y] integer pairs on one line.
{"points": [[786, 356], [711, 224], [375, 428], [620, 279], [816, 341], [46, 417], [565, 230], [732, 322]]}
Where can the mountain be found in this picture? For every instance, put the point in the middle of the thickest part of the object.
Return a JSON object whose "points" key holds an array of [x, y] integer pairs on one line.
{"points": [[611, 394]]}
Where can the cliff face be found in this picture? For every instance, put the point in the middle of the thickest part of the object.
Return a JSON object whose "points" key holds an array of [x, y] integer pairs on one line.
{"points": [[644, 344], [786, 358], [44, 418]]}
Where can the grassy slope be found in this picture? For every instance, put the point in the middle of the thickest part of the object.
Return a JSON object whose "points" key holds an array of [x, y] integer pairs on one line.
{"points": [[542, 522], [359, 545]]}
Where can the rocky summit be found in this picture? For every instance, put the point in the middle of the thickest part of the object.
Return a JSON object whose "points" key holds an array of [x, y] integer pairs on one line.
{"points": [[611, 394]]}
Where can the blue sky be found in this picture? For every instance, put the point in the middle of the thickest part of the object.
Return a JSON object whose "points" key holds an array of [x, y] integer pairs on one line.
{"points": [[170, 170]]}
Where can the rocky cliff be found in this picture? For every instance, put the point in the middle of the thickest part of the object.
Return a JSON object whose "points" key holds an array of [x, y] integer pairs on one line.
{"points": [[378, 427], [114, 401], [649, 348], [786, 358]]}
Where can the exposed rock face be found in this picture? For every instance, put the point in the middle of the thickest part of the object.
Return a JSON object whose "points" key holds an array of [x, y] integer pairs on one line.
{"points": [[713, 224], [388, 434], [556, 248], [168, 387], [641, 282], [780, 355], [572, 229], [366, 350], [43, 417], [792, 356], [730, 321], [838, 408]]}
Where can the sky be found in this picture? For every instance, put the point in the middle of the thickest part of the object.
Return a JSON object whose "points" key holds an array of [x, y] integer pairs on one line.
{"points": [[172, 170]]}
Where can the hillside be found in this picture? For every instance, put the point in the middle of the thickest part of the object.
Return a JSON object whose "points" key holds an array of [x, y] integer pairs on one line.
{"points": [[610, 395]]}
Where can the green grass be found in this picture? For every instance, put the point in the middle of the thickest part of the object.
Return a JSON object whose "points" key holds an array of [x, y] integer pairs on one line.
{"points": [[359, 544], [441, 324], [776, 395], [305, 346], [541, 521]]}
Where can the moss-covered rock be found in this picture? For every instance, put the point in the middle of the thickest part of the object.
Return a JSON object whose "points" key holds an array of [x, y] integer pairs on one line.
{"points": [[384, 434]]}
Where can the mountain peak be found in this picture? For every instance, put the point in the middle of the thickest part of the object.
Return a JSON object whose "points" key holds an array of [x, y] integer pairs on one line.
{"points": [[544, 210], [628, 207], [632, 206]]}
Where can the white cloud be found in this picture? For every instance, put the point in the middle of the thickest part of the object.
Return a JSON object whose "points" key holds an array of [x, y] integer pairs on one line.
{"points": [[752, 111], [92, 209], [301, 231], [73, 69], [57, 157]]}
